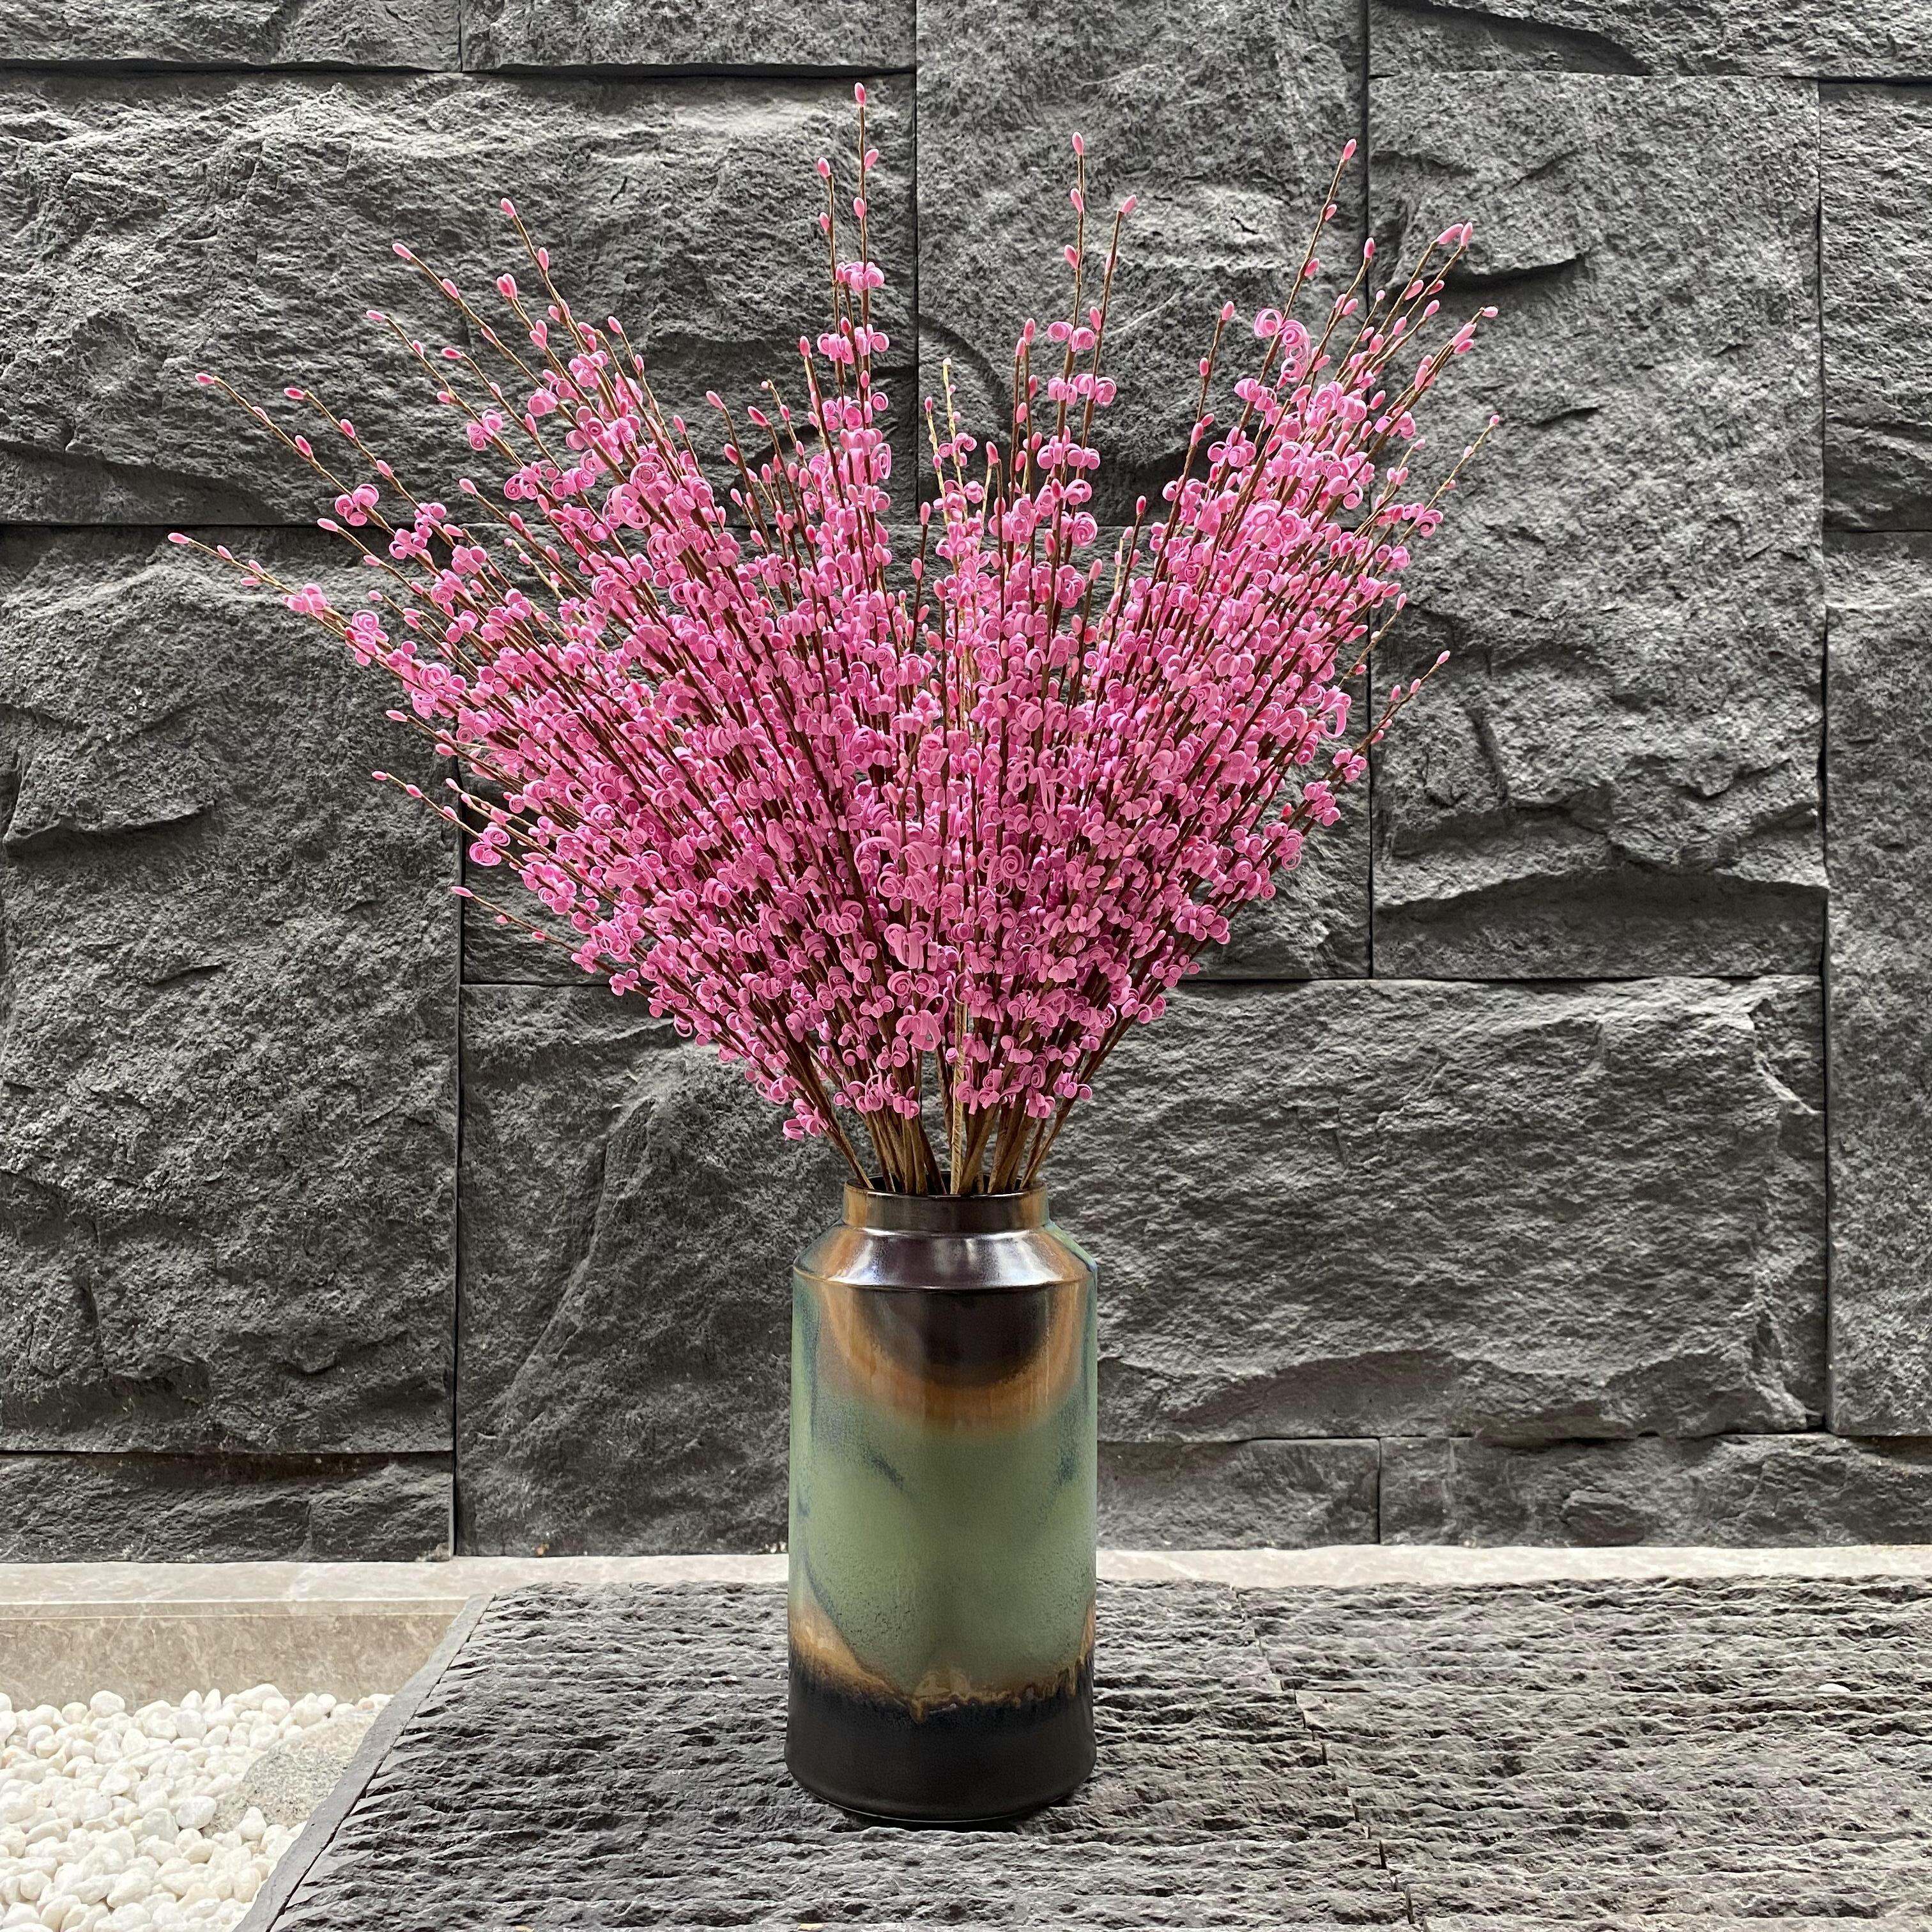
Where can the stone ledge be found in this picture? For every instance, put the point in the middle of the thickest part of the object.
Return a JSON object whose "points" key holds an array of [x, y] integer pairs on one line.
{"points": [[1572, 1749], [46, 1590]]}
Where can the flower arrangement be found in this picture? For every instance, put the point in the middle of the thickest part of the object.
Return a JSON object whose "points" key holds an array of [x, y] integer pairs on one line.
{"points": [[914, 833]]}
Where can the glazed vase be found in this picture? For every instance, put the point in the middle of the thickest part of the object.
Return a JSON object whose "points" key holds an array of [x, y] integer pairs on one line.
{"points": [[941, 1551]]}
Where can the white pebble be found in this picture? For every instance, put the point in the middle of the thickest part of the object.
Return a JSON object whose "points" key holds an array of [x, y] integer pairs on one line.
{"points": [[108, 1817]]}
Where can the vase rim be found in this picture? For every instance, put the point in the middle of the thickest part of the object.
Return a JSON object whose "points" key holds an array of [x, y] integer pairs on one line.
{"points": [[883, 1214]]}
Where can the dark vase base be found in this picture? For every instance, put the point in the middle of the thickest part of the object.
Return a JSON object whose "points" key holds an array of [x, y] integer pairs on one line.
{"points": [[966, 1764]]}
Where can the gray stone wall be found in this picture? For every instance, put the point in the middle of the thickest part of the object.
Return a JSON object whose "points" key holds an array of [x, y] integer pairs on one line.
{"points": [[1551, 1164]]}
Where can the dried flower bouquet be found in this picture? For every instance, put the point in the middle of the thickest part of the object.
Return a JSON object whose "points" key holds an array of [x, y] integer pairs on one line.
{"points": [[914, 842]]}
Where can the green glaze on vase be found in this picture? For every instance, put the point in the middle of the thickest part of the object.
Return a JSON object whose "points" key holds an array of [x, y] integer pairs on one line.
{"points": [[942, 1408]]}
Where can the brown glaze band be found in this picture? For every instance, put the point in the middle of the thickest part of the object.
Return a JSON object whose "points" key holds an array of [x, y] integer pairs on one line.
{"points": [[876, 1342]]}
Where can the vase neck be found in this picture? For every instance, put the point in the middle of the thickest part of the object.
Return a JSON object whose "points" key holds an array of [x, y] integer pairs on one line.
{"points": [[944, 1214]]}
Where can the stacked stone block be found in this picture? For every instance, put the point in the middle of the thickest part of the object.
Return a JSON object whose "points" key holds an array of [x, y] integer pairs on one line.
{"points": [[1549, 1164]]}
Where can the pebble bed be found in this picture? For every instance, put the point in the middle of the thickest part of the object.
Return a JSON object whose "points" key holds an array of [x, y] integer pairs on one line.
{"points": [[114, 1820]]}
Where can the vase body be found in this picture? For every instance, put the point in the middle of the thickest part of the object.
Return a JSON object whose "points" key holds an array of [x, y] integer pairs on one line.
{"points": [[943, 1451]]}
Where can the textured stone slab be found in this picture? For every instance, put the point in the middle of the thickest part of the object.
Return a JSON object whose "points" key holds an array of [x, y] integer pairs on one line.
{"points": [[227, 1092], [1628, 1756], [177, 224], [809, 35], [1886, 38], [617, 1758], [1747, 1490], [1880, 843], [1660, 1637], [215, 1509], [1316, 926], [630, 1213], [238, 33], [1237, 1495], [1340, 1208], [1876, 147], [1879, 772], [1619, 776], [1596, 1209], [1227, 126], [1602, 1754]]}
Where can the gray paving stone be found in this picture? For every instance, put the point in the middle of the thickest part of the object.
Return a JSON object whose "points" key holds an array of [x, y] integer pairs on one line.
{"points": [[1618, 775], [1752, 1491], [222, 1509], [812, 34], [227, 1071], [1488, 1717], [180, 223], [238, 33], [630, 1213], [1329, 1639], [1293, 1758], [1875, 150], [1878, 758], [1886, 39], [1227, 1193], [616, 1759]]}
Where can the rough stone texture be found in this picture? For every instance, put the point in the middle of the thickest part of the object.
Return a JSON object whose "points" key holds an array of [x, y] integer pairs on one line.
{"points": [[1627, 1755], [1226, 123], [1316, 927], [616, 1757], [1876, 147], [1879, 40], [630, 1217], [172, 224], [1751, 1491], [233, 33], [226, 1024], [227, 1211], [222, 1509], [812, 35], [1879, 772], [1237, 1495], [1619, 775], [1356, 1208]]}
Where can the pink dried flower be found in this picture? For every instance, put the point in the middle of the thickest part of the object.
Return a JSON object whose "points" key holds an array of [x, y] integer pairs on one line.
{"points": [[916, 849]]}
